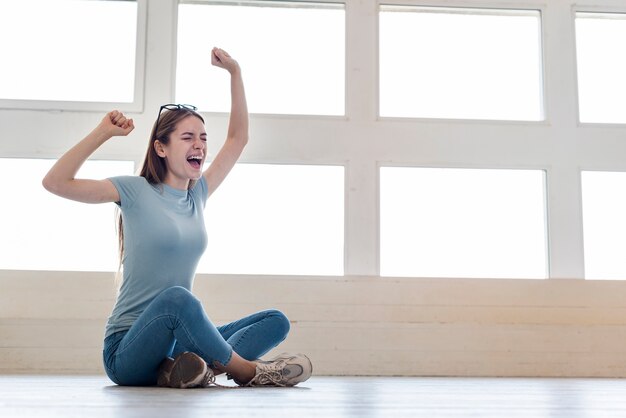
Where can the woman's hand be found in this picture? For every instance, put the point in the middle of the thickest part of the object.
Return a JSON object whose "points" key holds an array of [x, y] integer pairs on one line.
{"points": [[115, 123], [222, 59]]}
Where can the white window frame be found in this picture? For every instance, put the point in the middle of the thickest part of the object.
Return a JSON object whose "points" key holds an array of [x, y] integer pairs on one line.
{"points": [[590, 8], [528, 167], [362, 141], [512, 7], [607, 170], [138, 95]]}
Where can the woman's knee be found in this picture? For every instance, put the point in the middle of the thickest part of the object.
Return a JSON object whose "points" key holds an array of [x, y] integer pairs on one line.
{"points": [[280, 321], [179, 298], [176, 294]]}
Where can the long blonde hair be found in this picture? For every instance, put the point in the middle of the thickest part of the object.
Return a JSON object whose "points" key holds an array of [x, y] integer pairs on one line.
{"points": [[154, 167]]}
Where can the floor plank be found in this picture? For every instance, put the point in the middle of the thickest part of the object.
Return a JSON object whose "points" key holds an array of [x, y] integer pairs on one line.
{"points": [[95, 396]]}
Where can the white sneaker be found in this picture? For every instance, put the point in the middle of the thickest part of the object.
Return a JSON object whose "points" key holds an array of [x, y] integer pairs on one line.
{"points": [[283, 370]]}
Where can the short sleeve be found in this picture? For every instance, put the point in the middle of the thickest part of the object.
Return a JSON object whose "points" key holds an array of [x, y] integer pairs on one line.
{"points": [[129, 188], [201, 190]]}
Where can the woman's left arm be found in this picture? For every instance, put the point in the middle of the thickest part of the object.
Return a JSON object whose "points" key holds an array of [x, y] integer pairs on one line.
{"points": [[237, 136]]}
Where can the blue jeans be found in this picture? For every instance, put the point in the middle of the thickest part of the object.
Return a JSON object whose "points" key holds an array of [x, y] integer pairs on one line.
{"points": [[175, 322]]}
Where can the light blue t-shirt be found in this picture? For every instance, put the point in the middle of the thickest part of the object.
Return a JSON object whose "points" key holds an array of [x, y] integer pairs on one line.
{"points": [[164, 237]]}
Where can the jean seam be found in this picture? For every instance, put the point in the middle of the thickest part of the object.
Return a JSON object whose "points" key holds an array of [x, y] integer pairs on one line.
{"points": [[140, 331], [243, 335], [250, 327], [200, 352]]}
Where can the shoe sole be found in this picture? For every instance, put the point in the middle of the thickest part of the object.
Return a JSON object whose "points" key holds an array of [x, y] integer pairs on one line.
{"points": [[188, 371]]}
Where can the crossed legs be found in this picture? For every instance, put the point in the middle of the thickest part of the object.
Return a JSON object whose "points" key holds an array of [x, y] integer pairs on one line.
{"points": [[175, 322]]}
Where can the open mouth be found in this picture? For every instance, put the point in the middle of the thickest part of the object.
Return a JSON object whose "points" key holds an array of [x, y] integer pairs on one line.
{"points": [[195, 161]]}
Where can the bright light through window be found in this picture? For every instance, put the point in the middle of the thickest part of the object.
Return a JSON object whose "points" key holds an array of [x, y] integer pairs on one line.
{"points": [[604, 224], [460, 63], [442, 222], [68, 50], [601, 67], [291, 54], [41, 231], [277, 219]]}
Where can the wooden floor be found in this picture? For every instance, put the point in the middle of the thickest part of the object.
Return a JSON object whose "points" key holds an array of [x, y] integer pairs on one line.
{"points": [[95, 396]]}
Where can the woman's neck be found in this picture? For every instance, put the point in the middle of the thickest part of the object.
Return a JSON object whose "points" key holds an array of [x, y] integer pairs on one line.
{"points": [[176, 182]]}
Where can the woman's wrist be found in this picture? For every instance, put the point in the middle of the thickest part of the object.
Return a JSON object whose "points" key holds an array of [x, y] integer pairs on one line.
{"points": [[235, 71], [101, 136]]}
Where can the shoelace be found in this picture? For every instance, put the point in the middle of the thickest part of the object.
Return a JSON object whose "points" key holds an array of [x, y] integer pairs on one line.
{"points": [[270, 374], [208, 379]]}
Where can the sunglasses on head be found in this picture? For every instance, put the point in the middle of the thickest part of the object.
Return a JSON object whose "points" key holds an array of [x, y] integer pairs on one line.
{"points": [[172, 106]]}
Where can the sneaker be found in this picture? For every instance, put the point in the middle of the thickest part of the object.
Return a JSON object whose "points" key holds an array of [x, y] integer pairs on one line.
{"points": [[189, 370], [284, 370], [164, 372]]}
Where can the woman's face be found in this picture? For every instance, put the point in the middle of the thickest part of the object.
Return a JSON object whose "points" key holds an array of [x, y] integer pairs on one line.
{"points": [[185, 153]]}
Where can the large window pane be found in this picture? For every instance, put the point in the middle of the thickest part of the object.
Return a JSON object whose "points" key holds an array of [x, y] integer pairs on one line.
{"points": [[460, 63], [277, 219], [601, 67], [604, 224], [41, 231], [441, 222], [292, 56], [68, 50]]}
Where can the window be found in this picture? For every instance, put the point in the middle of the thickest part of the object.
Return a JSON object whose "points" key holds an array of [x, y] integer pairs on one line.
{"points": [[601, 67], [444, 222], [277, 219], [69, 51], [41, 231], [292, 56], [460, 63], [604, 225]]}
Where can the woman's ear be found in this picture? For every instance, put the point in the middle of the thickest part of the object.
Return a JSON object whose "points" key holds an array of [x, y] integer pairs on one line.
{"points": [[158, 147]]}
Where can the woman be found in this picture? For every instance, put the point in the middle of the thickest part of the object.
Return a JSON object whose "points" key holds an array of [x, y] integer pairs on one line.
{"points": [[158, 332]]}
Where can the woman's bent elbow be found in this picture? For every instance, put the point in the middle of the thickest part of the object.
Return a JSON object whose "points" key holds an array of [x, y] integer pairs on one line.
{"points": [[48, 184], [53, 186]]}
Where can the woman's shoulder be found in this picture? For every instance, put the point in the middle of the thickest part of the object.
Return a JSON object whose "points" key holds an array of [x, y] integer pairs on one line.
{"points": [[136, 181], [129, 188], [131, 178], [200, 189]]}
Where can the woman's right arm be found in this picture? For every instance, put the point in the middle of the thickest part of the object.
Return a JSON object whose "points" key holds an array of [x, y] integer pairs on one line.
{"points": [[60, 179]]}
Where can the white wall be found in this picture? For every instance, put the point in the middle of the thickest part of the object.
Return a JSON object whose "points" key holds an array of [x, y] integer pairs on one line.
{"points": [[361, 323], [53, 323]]}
